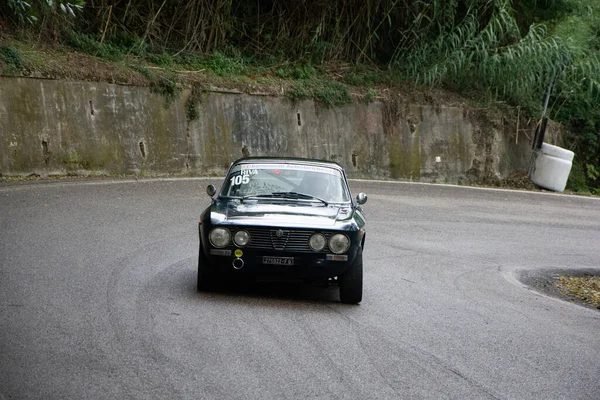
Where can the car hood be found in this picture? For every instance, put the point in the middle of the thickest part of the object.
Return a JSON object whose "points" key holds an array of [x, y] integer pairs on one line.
{"points": [[267, 213]]}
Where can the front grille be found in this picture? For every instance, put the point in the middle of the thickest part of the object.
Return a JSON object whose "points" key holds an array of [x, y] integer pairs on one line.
{"points": [[287, 239], [279, 238]]}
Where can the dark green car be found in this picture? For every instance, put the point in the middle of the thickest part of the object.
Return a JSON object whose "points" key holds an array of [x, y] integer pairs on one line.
{"points": [[284, 218]]}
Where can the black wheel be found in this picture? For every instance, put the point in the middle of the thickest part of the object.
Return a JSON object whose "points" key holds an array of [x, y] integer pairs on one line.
{"points": [[351, 283], [205, 275]]}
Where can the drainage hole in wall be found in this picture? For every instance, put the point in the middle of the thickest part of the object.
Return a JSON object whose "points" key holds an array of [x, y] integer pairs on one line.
{"points": [[299, 119], [45, 151], [91, 108], [143, 149], [354, 161]]}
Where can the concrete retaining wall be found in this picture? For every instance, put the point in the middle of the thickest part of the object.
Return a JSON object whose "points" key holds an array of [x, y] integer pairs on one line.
{"points": [[58, 127]]}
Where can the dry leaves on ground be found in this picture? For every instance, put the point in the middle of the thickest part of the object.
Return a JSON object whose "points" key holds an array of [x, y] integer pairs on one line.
{"points": [[586, 288]]}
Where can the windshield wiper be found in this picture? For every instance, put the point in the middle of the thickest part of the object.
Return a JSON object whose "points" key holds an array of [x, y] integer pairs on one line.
{"points": [[253, 196], [296, 195], [284, 195]]}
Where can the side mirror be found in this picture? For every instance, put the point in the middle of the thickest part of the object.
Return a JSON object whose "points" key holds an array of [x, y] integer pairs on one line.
{"points": [[361, 198], [211, 190]]}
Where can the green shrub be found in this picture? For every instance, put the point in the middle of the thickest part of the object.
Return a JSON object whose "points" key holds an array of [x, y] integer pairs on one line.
{"points": [[318, 51], [333, 94], [128, 43], [110, 53], [89, 45], [360, 76], [161, 59], [370, 96], [12, 58], [282, 73], [221, 64], [577, 180], [300, 91], [192, 104], [354, 79], [144, 71], [166, 87], [191, 61], [304, 72]]}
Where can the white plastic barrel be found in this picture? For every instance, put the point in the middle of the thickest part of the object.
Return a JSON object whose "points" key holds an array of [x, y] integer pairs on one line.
{"points": [[552, 167]]}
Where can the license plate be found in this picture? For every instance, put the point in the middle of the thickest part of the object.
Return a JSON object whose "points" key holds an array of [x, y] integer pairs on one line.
{"points": [[278, 260]]}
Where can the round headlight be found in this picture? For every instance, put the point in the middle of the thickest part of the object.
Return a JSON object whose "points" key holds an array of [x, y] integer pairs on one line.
{"points": [[339, 243], [219, 237], [317, 242], [241, 238]]}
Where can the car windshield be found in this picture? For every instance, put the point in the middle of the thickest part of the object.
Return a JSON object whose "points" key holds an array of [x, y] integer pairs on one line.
{"points": [[290, 181]]}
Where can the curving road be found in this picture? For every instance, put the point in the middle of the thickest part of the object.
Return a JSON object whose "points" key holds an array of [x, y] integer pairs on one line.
{"points": [[98, 300]]}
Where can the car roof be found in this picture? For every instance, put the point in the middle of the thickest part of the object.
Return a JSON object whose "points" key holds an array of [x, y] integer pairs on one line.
{"points": [[294, 160]]}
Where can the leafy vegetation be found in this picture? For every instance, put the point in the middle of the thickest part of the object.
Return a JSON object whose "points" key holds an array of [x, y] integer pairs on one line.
{"points": [[12, 58], [87, 44], [493, 50], [191, 104], [34, 10], [586, 288], [330, 93], [370, 96], [167, 87], [333, 94]]}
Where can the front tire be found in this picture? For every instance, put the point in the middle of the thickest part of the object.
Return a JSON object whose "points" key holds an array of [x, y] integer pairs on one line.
{"points": [[351, 283], [205, 275]]}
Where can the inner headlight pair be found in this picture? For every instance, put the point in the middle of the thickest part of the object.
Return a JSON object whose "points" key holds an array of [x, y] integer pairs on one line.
{"points": [[338, 243], [221, 237]]}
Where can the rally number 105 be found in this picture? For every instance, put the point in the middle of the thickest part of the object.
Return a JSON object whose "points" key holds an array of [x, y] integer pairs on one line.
{"points": [[240, 179]]}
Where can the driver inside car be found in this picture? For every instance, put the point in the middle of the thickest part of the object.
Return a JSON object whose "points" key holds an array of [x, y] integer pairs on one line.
{"points": [[315, 184]]}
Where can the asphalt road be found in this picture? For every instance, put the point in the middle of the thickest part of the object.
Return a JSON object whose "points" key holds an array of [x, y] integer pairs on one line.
{"points": [[98, 301]]}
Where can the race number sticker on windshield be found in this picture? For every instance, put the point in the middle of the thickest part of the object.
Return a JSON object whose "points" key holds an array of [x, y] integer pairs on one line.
{"points": [[240, 180], [243, 178]]}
